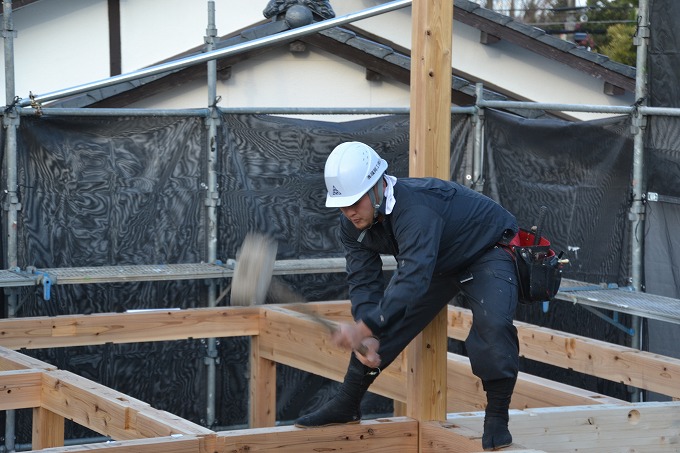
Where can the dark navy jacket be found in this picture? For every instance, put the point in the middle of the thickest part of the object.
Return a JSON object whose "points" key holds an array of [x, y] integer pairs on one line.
{"points": [[436, 228]]}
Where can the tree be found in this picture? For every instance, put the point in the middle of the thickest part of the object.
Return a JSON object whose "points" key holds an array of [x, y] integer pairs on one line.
{"points": [[612, 24], [620, 45]]}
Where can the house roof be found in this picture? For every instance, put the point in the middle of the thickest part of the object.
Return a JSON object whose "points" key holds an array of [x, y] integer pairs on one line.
{"points": [[542, 43], [381, 58]]}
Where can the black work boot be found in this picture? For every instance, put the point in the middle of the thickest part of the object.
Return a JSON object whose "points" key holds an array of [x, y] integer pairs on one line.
{"points": [[345, 406], [498, 395]]}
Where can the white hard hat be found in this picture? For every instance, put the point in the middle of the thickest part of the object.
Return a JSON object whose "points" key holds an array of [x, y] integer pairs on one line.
{"points": [[351, 170]]}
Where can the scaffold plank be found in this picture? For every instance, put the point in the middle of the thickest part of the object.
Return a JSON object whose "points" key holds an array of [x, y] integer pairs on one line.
{"points": [[13, 279], [155, 272], [617, 299], [622, 300]]}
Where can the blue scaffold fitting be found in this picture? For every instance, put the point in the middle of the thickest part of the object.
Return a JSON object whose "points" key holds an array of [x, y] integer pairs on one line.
{"points": [[43, 279]]}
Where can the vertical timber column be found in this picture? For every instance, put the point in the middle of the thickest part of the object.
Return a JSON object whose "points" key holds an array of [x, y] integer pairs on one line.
{"points": [[429, 155], [262, 401], [48, 429]]}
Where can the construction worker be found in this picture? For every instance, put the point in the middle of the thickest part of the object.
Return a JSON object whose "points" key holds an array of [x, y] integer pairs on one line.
{"points": [[447, 239]]}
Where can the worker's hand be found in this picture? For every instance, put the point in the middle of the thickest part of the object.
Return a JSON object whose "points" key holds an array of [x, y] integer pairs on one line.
{"points": [[359, 338], [369, 353], [346, 336]]}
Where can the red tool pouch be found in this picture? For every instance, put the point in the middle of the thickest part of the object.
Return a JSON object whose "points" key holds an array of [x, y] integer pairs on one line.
{"points": [[538, 268]]}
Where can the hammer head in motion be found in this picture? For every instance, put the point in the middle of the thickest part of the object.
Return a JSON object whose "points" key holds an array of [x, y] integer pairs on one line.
{"points": [[253, 270]]}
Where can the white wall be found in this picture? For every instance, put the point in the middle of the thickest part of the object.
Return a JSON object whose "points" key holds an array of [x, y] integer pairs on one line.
{"points": [[153, 30], [59, 44], [281, 79]]}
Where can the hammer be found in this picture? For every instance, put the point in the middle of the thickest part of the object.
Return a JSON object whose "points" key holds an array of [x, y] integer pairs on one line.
{"points": [[253, 275]]}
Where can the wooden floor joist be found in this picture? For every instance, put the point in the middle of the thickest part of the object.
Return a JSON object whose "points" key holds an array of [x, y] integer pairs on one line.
{"points": [[634, 427], [554, 417]]}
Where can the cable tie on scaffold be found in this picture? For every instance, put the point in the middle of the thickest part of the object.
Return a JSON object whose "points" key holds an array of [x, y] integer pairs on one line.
{"points": [[35, 104], [11, 106]]}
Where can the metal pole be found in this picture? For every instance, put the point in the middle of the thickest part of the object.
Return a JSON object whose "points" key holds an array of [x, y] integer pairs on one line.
{"points": [[204, 112], [211, 202], [11, 204], [477, 182], [637, 209], [285, 36]]}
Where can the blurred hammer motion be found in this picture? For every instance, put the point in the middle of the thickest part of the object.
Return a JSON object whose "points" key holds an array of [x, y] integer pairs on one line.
{"points": [[252, 280]]}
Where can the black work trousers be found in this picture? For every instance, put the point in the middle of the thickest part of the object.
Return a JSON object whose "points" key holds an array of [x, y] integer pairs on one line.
{"points": [[491, 295]]}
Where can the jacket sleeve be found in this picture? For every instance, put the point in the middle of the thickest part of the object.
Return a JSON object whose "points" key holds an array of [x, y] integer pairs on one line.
{"points": [[364, 275]]}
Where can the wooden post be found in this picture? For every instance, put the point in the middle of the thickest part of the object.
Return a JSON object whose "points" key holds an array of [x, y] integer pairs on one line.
{"points": [[262, 413], [48, 429], [430, 130]]}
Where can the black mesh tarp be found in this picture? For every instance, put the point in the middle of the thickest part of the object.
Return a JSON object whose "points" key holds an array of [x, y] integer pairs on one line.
{"points": [[662, 164], [581, 173]]}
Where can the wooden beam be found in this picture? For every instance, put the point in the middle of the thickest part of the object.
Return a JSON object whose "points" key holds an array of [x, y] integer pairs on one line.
{"points": [[641, 427], [387, 434], [107, 411], [447, 437], [20, 389], [429, 155], [48, 429], [444, 437], [295, 340], [11, 360], [465, 392], [175, 444], [155, 325], [616, 363]]}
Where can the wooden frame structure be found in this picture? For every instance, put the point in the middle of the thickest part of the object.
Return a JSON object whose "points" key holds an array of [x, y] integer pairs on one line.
{"points": [[546, 416]]}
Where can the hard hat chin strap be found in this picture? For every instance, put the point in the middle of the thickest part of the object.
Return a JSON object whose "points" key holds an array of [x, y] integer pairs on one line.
{"points": [[376, 202]]}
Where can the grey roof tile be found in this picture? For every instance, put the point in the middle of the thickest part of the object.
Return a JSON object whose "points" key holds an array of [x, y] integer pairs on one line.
{"points": [[628, 71], [525, 29], [370, 47], [490, 16], [466, 5], [399, 59], [339, 34], [587, 55], [560, 44]]}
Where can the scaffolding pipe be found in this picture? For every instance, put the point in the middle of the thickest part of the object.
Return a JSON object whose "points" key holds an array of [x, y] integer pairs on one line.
{"points": [[11, 205], [637, 212], [589, 108], [478, 143], [637, 209], [211, 203], [471, 110], [46, 111], [205, 112], [285, 36]]}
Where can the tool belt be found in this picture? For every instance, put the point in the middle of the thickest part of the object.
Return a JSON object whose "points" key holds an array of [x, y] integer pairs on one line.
{"points": [[539, 269]]}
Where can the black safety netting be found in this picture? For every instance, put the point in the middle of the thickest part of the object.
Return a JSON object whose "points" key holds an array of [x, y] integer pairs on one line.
{"points": [[662, 162], [128, 190]]}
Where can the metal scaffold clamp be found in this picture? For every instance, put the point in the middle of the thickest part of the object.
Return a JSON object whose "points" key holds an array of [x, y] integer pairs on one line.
{"points": [[43, 279], [35, 104]]}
